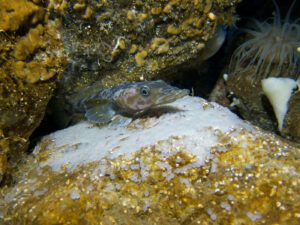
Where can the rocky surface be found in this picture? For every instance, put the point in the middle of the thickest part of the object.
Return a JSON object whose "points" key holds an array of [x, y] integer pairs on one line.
{"points": [[31, 57], [263, 51], [106, 41], [292, 119], [253, 104], [247, 99], [197, 164], [111, 42], [133, 40]]}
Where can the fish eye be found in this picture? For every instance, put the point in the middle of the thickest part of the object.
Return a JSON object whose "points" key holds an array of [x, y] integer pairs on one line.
{"points": [[145, 91]]}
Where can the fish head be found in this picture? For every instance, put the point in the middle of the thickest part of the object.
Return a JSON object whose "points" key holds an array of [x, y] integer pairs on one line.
{"points": [[141, 96]]}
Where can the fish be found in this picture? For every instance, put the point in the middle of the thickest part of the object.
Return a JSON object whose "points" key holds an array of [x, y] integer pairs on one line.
{"points": [[127, 100], [214, 44]]}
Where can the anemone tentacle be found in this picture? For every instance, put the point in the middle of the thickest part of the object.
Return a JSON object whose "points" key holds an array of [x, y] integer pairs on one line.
{"points": [[271, 49]]}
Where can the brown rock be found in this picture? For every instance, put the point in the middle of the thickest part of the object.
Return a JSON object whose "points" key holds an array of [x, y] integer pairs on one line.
{"points": [[27, 65], [292, 119], [17, 13]]}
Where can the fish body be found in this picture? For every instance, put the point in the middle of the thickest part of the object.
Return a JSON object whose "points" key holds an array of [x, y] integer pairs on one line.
{"points": [[214, 44], [128, 99]]}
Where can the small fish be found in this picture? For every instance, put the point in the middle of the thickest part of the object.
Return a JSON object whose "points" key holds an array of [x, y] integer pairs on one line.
{"points": [[128, 99], [213, 45]]}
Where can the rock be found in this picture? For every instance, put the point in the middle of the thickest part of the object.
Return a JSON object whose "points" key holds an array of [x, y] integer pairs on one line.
{"points": [[113, 42], [124, 41], [264, 52], [245, 98], [253, 104], [18, 13], [219, 92], [197, 164], [292, 119], [31, 58]]}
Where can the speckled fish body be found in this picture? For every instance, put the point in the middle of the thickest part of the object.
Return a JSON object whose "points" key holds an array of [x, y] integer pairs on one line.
{"points": [[128, 99]]}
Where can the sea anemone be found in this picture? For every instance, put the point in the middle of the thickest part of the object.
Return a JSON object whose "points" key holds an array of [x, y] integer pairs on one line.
{"points": [[272, 50]]}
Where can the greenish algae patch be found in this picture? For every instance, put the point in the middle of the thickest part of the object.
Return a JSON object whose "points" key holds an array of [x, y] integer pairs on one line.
{"points": [[255, 181]]}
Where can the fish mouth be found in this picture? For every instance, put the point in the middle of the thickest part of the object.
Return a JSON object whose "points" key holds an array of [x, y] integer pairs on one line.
{"points": [[172, 95]]}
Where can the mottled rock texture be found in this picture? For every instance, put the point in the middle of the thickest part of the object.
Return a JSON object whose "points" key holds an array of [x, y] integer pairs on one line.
{"points": [[115, 41], [106, 41], [31, 57], [217, 170], [268, 48]]}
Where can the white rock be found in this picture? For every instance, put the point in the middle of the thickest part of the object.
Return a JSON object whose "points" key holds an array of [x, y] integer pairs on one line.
{"points": [[197, 126]]}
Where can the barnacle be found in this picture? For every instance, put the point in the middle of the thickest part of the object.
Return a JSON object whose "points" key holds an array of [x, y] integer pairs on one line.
{"points": [[272, 48]]}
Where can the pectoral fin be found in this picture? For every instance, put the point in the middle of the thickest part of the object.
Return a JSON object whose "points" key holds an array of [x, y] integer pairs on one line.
{"points": [[120, 121], [99, 112]]}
